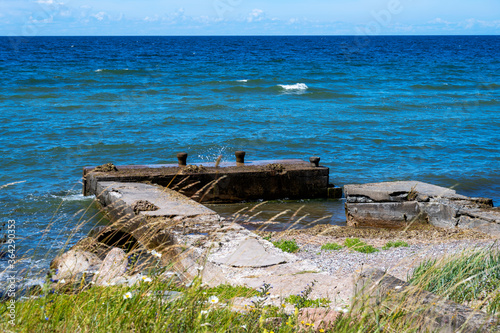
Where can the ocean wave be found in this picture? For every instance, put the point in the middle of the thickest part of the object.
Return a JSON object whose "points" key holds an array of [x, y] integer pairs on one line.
{"points": [[297, 86], [125, 71], [441, 87], [110, 70], [244, 81], [73, 197]]}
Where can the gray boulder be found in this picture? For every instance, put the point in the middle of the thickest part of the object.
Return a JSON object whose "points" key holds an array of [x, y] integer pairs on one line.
{"points": [[73, 263], [112, 268]]}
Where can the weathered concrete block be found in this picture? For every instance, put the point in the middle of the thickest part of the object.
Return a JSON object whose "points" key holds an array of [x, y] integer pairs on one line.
{"points": [[381, 214], [394, 204], [438, 214], [174, 210], [399, 191], [484, 220], [334, 192], [268, 180], [431, 312]]}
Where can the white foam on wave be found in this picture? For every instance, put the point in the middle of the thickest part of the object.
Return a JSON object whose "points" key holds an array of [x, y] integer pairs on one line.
{"points": [[78, 197], [98, 70], [74, 197], [297, 86], [241, 80]]}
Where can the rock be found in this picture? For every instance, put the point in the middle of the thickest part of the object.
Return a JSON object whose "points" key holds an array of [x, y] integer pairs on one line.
{"points": [[143, 206], [273, 322], [108, 167], [170, 295], [321, 318], [90, 244], [432, 312], [395, 204], [250, 253], [76, 261], [113, 267]]}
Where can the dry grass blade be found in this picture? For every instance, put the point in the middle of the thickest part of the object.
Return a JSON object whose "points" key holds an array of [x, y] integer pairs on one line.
{"points": [[14, 183]]}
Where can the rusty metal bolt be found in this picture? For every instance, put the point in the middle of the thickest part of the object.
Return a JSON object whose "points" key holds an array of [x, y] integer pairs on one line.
{"points": [[182, 157], [314, 161], [240, 156]]}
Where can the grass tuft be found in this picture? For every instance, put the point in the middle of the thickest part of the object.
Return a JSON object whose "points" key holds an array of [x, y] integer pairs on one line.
{"points": [[289, 246], [395, 244], [471, 278], [357, 245], [331, 247]]}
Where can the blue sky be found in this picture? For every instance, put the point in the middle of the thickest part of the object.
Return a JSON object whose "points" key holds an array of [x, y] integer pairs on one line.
{"points": [[248, 17]]}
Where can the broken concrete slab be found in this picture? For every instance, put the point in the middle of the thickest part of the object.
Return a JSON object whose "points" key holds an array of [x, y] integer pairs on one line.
{"points": [[395, 204], [149, 228], [204, 244], [398, 192], [250, 253], [166, 201]]}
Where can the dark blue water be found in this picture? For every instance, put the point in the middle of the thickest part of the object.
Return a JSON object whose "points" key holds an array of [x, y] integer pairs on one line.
{"points": [[377, 109]]}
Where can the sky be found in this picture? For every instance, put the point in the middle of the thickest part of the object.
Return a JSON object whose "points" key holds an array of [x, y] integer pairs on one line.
{"points": [[249, 17]]}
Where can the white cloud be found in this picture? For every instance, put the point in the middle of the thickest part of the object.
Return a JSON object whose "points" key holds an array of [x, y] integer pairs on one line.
{"points": [[100, 16], [65, 13], [151, 19], [49, 2], [490, 24], [439, 20], [469, 23], [43, 21], [256, 15]]}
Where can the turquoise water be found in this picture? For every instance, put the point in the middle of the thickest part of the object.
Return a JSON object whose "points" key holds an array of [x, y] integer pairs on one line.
{"points": [[381, 109]]}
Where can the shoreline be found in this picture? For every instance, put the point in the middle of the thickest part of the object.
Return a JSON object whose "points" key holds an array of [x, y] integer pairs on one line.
{"points": [[425, 242]]}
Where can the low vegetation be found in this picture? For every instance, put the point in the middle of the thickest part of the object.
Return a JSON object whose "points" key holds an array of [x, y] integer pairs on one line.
{"points": [[154, 306], [331, 247], [357, 245], [289, 246], [470, 278], [395, 244]]}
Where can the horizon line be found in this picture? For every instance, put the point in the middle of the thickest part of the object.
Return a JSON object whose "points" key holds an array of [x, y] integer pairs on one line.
{"points": [[263, 35]]}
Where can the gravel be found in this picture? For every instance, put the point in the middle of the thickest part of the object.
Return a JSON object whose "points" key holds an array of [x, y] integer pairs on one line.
{"points": [[397, 261]]}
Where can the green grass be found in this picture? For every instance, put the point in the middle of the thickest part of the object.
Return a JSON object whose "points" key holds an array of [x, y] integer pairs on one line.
{"points": [[309, 303], [394, 244], [105, 309], [289, 246], [331, 247], [471, 278], [227, 291], [359, 246]]}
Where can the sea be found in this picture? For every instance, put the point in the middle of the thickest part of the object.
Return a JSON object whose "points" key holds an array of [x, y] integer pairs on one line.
{"points": [[380, 108]]}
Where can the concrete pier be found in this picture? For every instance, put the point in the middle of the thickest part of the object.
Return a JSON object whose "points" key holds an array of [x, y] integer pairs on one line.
{"points": [[194, 240], [158, 207], [227, 182]]}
